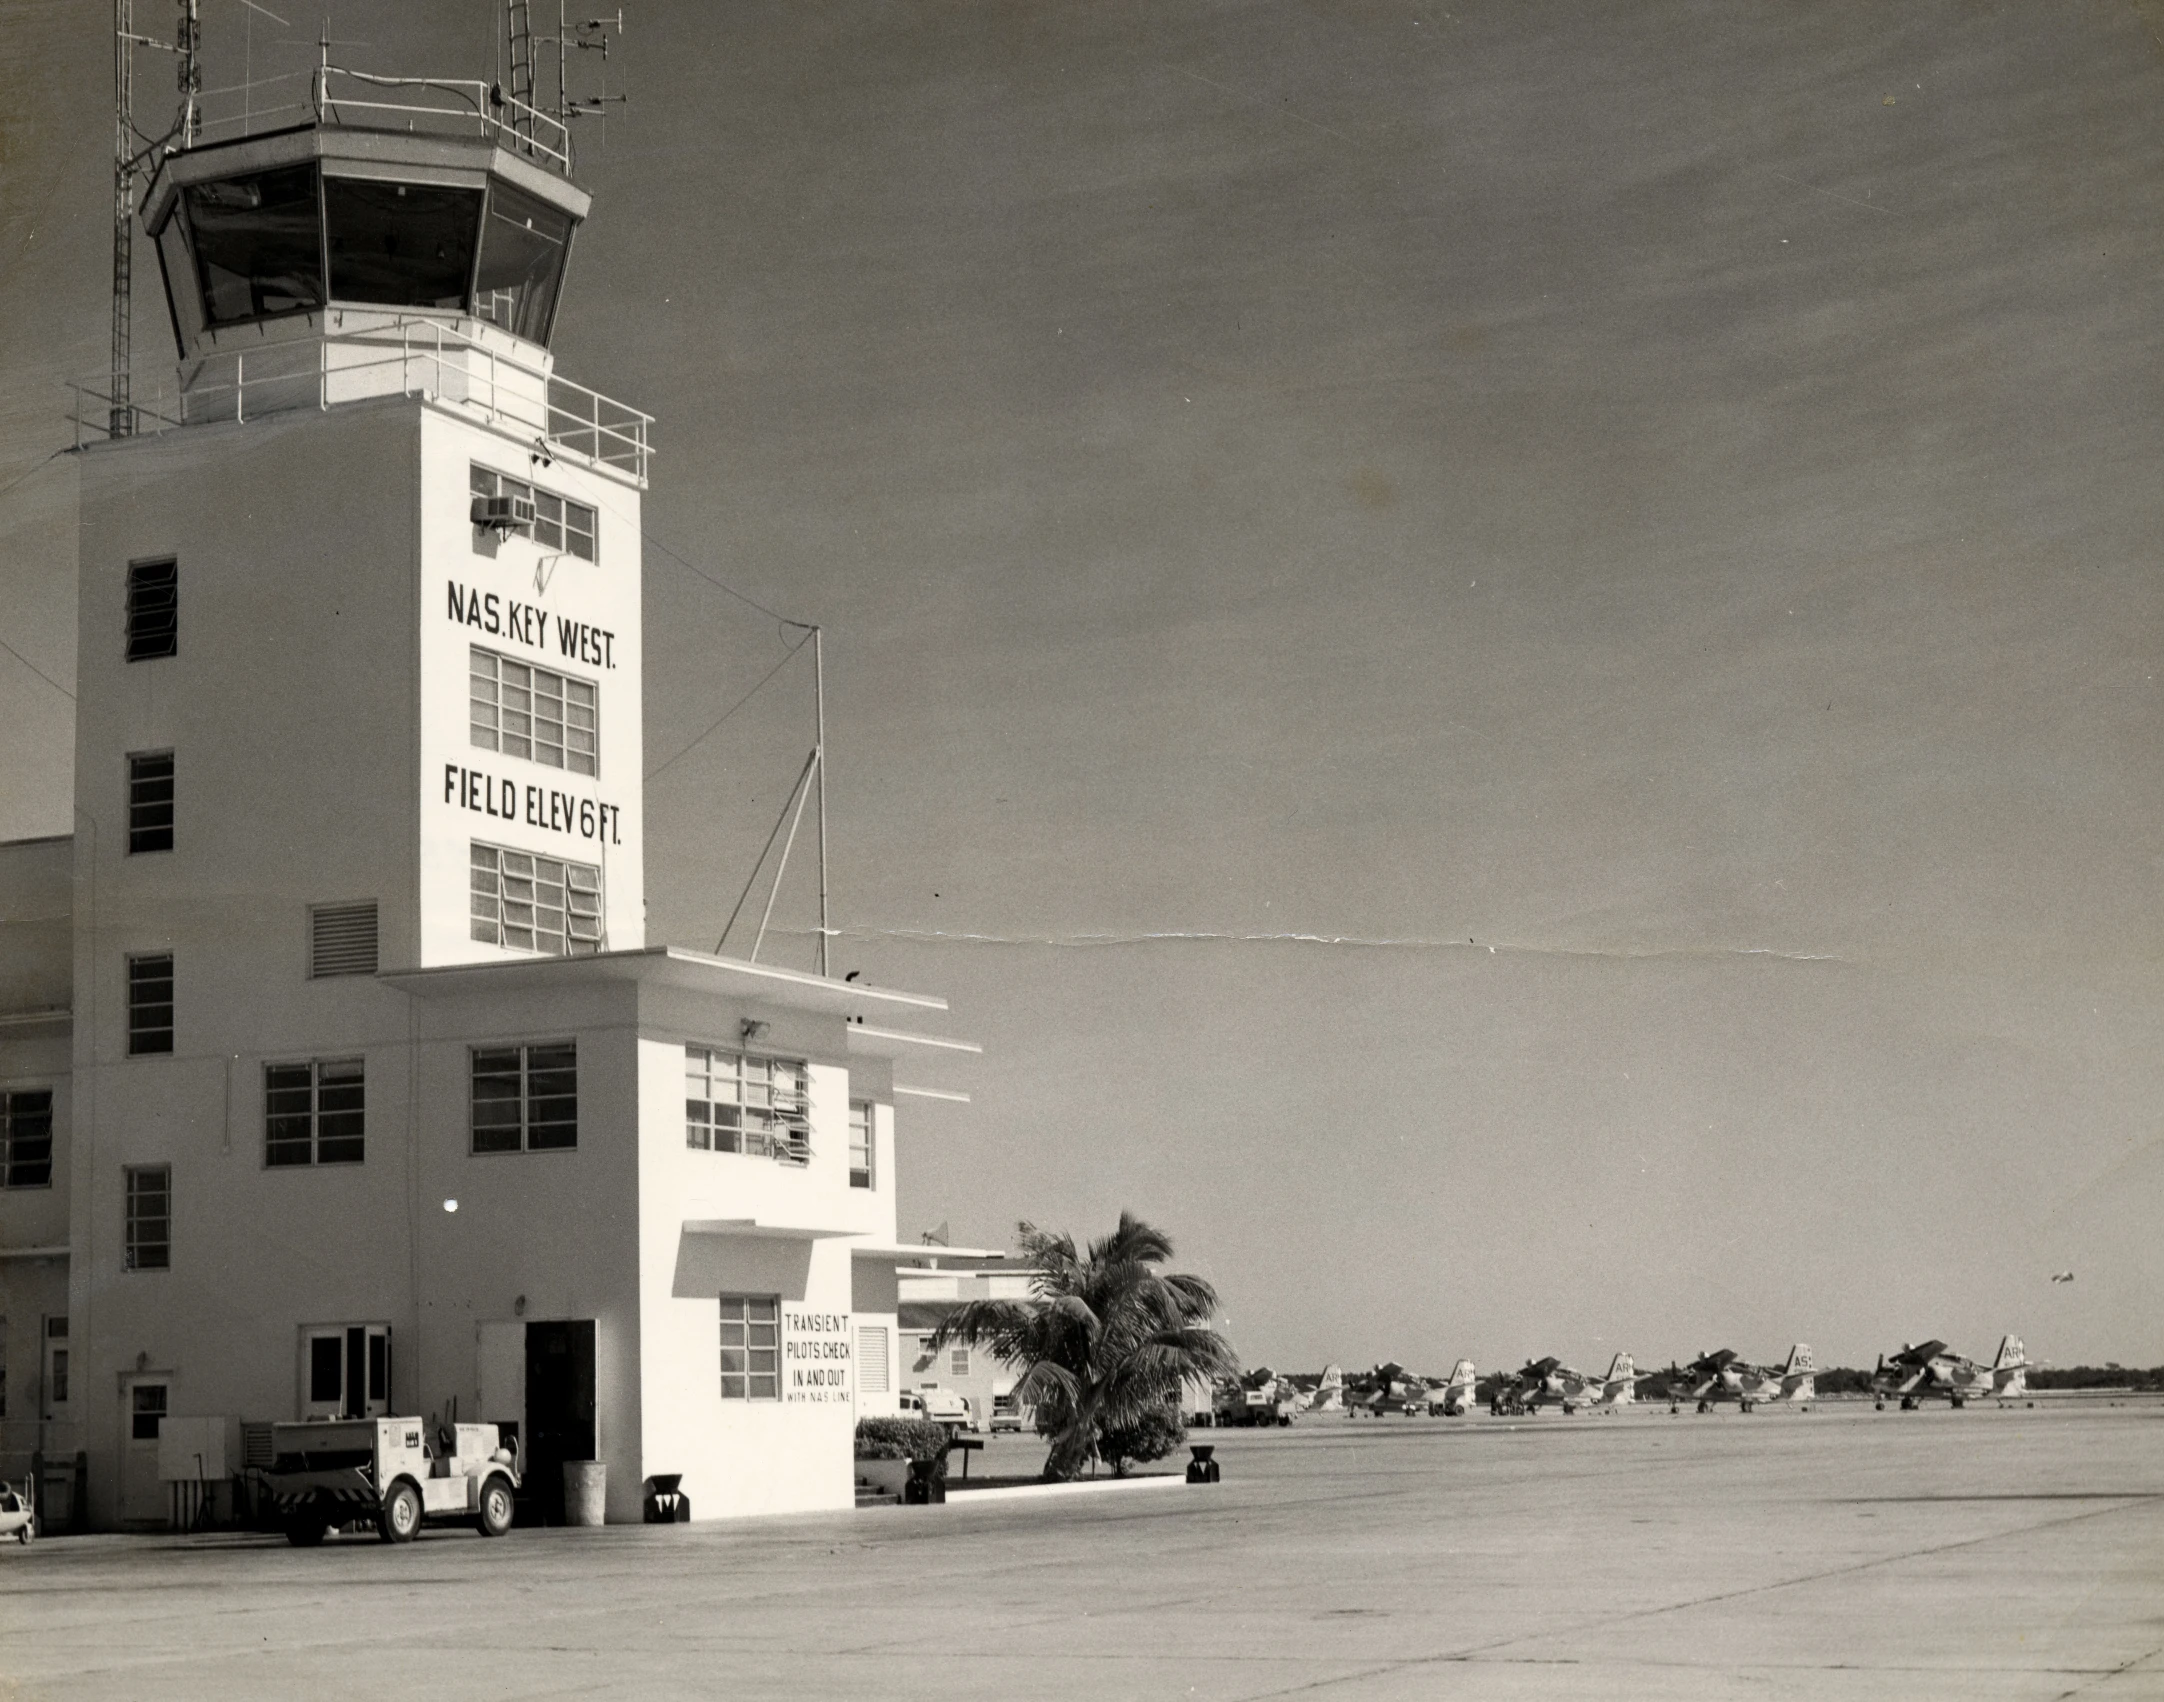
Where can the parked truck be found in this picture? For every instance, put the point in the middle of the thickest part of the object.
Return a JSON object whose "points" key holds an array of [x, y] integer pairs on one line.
{"points": [[382, 1471], [1256, 1397]]}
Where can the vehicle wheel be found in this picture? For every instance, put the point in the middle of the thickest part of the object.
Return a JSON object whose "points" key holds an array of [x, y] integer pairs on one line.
{"points": [[306, 1530], [1878, 1406], [400, 1519], [495, 1507], [1705, 1406], [1568, 1409], [1959, 1403], [27, 1533]]}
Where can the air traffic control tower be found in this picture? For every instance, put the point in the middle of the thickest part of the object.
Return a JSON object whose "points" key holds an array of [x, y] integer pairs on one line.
{"points": [[368, 1096]]}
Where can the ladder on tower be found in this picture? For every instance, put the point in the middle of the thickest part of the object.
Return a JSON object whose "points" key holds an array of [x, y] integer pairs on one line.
{"points": [[519, 18]]}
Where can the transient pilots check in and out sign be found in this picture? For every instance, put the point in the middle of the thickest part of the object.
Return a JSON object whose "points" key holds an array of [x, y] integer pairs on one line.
{"points": [[815, 1356]]}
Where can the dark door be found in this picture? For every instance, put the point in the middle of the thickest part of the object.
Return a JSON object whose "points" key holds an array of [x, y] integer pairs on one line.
{"points": [[559, 1409]]}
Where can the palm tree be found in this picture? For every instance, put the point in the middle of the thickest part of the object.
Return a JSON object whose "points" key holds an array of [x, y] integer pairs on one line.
{"points": [[1103, 1337]]}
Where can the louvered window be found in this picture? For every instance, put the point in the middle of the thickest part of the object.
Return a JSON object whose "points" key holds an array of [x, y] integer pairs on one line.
{"points": [[153, 610], [342, 939], [534, 903]]}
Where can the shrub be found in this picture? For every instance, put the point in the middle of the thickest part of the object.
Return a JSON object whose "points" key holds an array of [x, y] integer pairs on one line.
{"points": [[902, 1439], [1153, 1435]]}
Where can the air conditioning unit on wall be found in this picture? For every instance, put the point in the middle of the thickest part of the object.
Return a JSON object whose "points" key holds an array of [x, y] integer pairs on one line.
{"points": [[503, 515]]}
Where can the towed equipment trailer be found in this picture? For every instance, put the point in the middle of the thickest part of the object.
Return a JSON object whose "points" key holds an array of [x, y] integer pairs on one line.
{"points": [[382, 1472]]}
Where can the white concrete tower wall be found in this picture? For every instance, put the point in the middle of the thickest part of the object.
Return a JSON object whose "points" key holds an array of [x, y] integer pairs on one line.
{"points": [[531, 603]]}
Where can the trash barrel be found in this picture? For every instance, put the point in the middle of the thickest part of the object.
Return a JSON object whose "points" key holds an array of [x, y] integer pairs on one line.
{"points": [[586, 1492]]}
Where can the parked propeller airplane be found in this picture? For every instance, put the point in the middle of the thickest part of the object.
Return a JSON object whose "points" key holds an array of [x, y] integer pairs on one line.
{"points": [[1722, 1376], [1549, 1382], [1392, 1388], [1924, 1370]]}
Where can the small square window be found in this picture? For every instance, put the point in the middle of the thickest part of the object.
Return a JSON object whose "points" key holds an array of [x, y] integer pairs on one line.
{"points": [[146, 1411]]}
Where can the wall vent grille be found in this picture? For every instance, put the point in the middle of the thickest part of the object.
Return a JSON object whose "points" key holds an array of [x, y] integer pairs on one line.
{"points": [[342, 939]]}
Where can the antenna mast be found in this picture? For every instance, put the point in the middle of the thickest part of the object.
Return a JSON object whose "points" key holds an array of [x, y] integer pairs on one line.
{"points": [[122, 421], [128, 161]]}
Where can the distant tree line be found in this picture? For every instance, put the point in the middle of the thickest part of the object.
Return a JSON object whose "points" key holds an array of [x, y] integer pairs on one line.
{"points": [[2096, 1377]]}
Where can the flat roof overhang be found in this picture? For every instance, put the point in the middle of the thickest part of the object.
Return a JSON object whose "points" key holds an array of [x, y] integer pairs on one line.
{"points": [[389, 155], [691, 971], [753, 1229]]}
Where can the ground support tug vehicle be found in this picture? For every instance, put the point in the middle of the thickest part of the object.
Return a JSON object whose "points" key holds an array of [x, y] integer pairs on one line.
{"points": [[18, 1517], [381, 1471]]}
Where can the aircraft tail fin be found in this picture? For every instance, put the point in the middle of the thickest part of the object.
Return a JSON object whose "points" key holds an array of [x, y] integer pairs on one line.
{"points": [[1799, 1358], [1461, 1375], [2010, 1371]]}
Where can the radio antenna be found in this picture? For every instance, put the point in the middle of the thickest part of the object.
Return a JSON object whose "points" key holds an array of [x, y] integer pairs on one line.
{"points": [[130, 160]]}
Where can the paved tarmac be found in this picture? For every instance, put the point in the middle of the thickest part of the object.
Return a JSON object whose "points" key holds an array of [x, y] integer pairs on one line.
{"points": [[1844, 1553]]}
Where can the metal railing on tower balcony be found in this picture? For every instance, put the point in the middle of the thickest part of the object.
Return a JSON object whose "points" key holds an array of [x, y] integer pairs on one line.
{"points": [[361, 100], [357, 355]]}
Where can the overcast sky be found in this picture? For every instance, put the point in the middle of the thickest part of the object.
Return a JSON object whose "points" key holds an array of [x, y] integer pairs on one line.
{"points": [[1506, 656]]}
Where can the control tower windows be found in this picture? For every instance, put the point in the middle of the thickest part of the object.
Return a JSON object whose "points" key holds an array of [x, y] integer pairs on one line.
{"points": [[523, 241], [543, 904], [150, 801], [533, 712], [258, 251], [401, 244], [153, 609]]}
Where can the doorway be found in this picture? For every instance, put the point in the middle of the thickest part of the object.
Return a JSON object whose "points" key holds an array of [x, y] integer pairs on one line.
{"points": [[559, 1410], [345, 1371], [144, 1402], [54, 1390]]}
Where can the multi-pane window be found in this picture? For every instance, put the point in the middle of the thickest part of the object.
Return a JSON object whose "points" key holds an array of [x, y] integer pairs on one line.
{"points": [[860, 1143], [150, 801], [559, 523], [150, 1003], [543, 904], [750, 1347], [149, 1242], [526, 1098], [532, 712], [313, 1113], [737, 1104], [146, 1411], [26, 1138], [153, 609]]}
